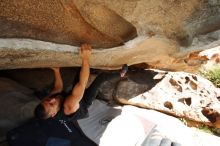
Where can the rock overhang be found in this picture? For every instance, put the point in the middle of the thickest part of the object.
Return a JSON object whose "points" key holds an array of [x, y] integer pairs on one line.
{"points": [[27, 53], [106, 25]]}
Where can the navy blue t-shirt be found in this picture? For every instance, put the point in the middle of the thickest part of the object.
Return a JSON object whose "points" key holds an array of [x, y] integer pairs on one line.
{"points": [[82, 112]]}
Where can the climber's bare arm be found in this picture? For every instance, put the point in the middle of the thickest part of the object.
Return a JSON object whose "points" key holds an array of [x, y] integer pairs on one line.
{"points": [[58, 83], [71, 104]]}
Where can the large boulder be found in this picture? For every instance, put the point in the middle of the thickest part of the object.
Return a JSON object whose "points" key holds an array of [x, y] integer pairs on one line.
{"points": [[175, 19], [60, 21], [16, 106], [162, 27], [24, 53], [154, 52], [179, 94], [40, 79]]}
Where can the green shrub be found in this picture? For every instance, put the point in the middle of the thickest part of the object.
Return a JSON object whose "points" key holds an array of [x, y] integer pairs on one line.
{"points": [[201, 126], [212, 74]]}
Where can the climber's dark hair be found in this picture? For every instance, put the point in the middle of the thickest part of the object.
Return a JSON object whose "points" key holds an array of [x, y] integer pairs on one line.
{"points": [[40, 112]]}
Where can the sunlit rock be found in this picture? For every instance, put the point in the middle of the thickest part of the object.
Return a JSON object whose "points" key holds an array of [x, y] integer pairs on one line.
{"points": [[156, 30], [180, 94]]}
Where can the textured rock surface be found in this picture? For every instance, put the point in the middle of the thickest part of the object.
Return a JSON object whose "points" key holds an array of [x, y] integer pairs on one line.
{"points": [[61, 22], [39, 79], [17, 53], [212, 57], [156, 52], [16, 106], [179, 20], [162, 25], [178, 93]]}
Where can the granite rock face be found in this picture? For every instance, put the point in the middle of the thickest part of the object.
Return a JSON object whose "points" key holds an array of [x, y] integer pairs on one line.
{"points": [[161, 27], [178, 20], [163, 34], [60, 21], [17, 104], [180, 94]]}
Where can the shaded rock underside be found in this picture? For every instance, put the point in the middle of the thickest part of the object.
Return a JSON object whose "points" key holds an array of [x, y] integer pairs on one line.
{"points": [[161, 27]]}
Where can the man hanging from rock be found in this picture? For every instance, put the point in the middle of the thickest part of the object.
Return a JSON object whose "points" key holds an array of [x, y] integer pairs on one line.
{"points": [[75, 105]]}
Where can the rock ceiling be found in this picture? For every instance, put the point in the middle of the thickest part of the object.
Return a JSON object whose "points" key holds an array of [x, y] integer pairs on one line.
{"points": [[37, 34]]}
